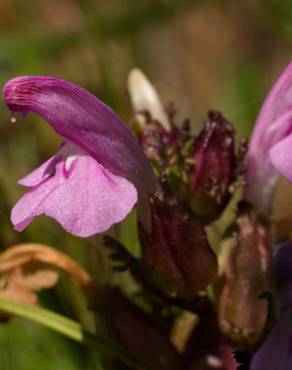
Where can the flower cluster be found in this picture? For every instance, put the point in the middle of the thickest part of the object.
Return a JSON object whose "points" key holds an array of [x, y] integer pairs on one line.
{"points": [[209, 251]]}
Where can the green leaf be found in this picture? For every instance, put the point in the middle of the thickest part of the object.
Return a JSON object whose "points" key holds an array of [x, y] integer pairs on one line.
{"points": [[44, 317], [72, 330]]}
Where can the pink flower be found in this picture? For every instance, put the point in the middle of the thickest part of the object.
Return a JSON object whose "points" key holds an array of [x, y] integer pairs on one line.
{"points": [[271, 143], [92, 182]]}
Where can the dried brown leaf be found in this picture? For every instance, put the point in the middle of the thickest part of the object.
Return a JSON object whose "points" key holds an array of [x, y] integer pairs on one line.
{"points": [[29, 268]]}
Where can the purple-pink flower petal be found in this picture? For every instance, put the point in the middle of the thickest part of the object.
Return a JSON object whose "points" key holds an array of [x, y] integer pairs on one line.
{"points": [[281, 157], [87, 200], [267, 156], [39, 174], [84, 120]]}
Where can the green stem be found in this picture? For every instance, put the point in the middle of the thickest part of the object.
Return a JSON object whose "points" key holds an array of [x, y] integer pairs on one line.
{"points": [[73, 330]]}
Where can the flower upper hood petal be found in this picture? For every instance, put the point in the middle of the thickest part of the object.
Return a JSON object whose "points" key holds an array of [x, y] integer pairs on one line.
{"points": [[81, 118]]}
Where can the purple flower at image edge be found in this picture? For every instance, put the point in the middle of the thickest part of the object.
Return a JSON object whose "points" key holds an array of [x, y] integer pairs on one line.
{"points": [[276, 351], [100, 171], [270, 146]]}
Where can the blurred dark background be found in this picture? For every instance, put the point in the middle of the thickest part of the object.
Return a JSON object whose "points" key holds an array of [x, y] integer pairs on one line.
{"points": [[200, 54]]}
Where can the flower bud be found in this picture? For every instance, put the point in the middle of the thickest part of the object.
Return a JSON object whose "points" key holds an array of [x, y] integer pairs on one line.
{"points": [[245, 275], [145, 98], [214, 159], [176, 253], [153, 139]]}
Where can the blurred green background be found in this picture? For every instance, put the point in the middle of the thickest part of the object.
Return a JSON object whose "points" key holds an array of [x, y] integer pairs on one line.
{"points": [[201, 54]]}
